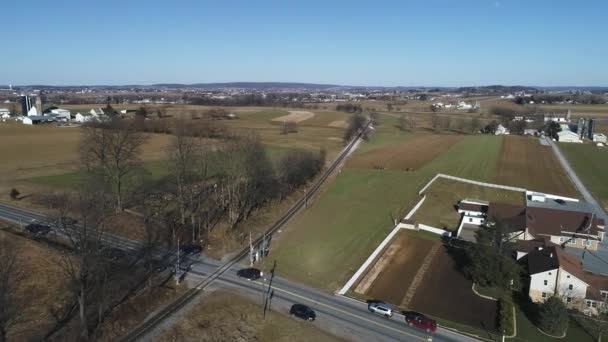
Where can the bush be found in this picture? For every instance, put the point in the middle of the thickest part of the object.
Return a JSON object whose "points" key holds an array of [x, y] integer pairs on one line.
{"points": [[553, 316], [505, 315], [14, 194]]}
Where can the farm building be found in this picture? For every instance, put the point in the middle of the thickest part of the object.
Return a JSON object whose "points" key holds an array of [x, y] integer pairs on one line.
{"points": [[552, 271], [567, 223], [568, 136], [36, 119], [5, 113], [86, 117], [558, 117], [60, 114], [501, 130], [600, 138]]}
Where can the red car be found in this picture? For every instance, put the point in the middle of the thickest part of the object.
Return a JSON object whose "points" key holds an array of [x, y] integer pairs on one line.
{"points": [[419, 320]]}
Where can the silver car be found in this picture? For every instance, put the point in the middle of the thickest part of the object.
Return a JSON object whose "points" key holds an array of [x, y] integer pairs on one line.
{"points": [[381, 308]]}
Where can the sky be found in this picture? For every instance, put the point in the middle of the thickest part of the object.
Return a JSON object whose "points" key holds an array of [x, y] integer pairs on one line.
{"points": [[367, 43]]}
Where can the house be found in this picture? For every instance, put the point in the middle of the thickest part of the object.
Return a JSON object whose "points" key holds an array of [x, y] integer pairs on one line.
{"points": [[97, 112], [86, 117], [473, 211], [597, 137], [558, 117], [501, 130], [553, 272], [568, 136], [566, 223], [5, 113]]}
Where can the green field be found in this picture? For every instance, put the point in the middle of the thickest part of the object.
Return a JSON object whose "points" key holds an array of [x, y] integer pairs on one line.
{"points": [[330, 241], [591, 165]]}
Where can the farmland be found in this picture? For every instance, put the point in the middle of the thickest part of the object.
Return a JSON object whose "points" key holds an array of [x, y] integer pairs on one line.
{"points": [[525, 163], [325, 245], [396, 283], [405, 155], [438, 209], [590, 164]]}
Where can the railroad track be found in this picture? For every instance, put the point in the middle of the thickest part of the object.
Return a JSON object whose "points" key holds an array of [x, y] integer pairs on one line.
{"points": [[183, 300]]}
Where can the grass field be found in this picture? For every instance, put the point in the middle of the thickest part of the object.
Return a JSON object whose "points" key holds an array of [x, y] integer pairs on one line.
{"points": [[591, 165], [224, 316], [331, 240], [525, 163], [439, 207]]}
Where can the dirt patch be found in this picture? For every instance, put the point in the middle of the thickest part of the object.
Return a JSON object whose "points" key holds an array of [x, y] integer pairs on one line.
{"points": [[409, 155], [446, 293], [295, 116], [442, 290], [373, 273], [339, 124], [524, 162], [404, 264]]}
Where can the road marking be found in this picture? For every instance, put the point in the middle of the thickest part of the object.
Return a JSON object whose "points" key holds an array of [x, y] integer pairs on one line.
{"points": [[345, 312]]}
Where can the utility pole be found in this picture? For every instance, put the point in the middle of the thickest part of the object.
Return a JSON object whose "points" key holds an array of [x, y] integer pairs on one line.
{"points": [[250, 251], [177, 265]]}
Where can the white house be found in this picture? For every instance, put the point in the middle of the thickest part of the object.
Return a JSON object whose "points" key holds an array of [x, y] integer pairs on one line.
{"points": [[61, 114], [86, 117], [600, 138], [568, 136], [464, 105], [501, 130], [553, 272]]}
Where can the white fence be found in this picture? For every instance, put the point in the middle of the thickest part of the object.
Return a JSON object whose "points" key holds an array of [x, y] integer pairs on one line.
{"points": [[434, 230], [415, 208], [464, 180], [569, 199]]}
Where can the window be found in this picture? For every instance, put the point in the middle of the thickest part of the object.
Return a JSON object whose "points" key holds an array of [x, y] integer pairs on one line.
{"points": [[549, 273], [568, 276], [572, 241], [594, 304], [604, 294], [546, 282], [588, 303], [470, 219], [561, 239], [586, 243], [569, 300], [570, 287], [544, 295]]}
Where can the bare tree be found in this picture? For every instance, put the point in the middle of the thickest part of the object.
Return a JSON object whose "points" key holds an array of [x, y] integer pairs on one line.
{"points": [[110, 152], [11, 276]]}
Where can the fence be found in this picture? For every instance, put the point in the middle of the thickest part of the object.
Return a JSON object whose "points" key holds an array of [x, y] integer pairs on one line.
{"points": [[464, 180]]}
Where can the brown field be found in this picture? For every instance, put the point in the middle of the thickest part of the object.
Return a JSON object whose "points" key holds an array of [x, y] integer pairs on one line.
{"points": [[408, 249], [295, 116], [525, 163], [444, 291], [409, 155]]}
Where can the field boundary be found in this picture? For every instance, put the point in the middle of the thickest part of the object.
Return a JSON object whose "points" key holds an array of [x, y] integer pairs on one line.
{"points": [[415, 208], [470, 181], [369, 260]]}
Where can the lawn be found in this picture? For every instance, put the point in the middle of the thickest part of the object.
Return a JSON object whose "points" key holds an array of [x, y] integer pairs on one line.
{"points": [[331, 240], [591, 165]]}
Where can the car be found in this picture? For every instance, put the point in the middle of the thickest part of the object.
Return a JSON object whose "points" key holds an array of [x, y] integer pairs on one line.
{"points": [[191, 249], [250, 273], [303, 312], [37, 229], [420, 321], [380, 308]]}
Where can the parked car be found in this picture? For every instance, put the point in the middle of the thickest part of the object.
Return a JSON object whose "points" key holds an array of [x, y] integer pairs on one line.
{"points": [[191, 249], [303, 312], [37, 229], [380, 308], [250, 273], [420, 321]]}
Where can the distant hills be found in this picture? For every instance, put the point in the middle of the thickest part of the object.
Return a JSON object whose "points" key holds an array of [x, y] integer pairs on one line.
{"points": [[498, 89]]}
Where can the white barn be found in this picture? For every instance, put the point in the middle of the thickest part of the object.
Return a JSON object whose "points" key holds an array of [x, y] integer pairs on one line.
{"points": [[568, 136]]}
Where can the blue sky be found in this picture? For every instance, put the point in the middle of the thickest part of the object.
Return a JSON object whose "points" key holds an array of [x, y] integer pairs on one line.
{"points": [[384, 43]]}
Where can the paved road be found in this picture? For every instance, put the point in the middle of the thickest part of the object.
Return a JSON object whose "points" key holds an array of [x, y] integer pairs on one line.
{"points": [[339, 315]]}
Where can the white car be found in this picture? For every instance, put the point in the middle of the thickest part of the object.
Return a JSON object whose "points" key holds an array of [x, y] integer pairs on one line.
{"points": [[381, 308]]}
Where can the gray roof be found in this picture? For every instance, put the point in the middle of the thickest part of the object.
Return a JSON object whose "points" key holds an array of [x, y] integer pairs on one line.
{"points": [[581, 207]]}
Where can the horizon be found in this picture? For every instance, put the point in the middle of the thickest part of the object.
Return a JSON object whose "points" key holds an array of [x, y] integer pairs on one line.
{"points": [[385, 44]]}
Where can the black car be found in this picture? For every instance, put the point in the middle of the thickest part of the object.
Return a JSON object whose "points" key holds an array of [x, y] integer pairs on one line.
{"points": [[303, 312], [191, 249], [37, 229], [250, 273]]}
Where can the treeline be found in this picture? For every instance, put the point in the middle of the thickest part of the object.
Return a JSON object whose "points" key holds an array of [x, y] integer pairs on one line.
{"points": [[349, 108], [582, 98]]}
